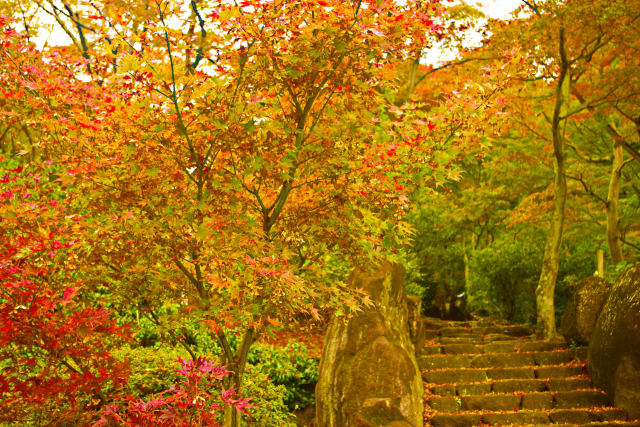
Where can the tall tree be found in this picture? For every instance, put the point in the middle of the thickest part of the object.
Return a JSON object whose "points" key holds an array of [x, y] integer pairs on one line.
{"points": [[219, 165], [559, 40]]}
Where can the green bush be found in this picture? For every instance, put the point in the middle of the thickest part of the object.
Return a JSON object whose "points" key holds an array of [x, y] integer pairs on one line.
{"points": [[504, 275], [280, 380], [268, 399], [616, 270], [503, 279], [153, 369], [415, 289], [290, 367]]}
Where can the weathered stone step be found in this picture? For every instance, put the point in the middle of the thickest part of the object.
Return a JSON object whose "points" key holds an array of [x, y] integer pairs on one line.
{"points": [[452, 376], [475, 339], [435, 323], [469, 339], [508, 346], [479, 332], [495, 360], [596, 424], [514, 402], [512, 386], [526, 417]]}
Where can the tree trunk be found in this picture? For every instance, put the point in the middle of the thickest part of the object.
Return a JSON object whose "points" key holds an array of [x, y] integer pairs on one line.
{"points": [[600, 262], [546, 321], [613, 219], [236, 363], [468, 253]]}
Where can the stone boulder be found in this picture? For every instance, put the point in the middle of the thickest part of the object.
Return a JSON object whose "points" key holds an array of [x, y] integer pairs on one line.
{"points": [[614, 350], [585, 303], [369, 375]]}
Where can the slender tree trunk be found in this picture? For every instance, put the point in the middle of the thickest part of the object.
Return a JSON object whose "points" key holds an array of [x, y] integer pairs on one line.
{"points": [[600, 262], [613, 219], [237, 364], [468, 254], [546, 321]]}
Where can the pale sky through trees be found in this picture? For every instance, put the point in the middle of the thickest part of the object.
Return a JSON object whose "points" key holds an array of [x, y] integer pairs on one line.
{"points": [[493, 8], [499, 8]]}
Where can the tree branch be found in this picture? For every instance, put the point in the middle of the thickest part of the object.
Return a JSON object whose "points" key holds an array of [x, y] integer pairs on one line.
{"points": [[532, 6], [450, 64], [587, 188], [614, 132], [628, 243], [582, 156], [198, 284]]}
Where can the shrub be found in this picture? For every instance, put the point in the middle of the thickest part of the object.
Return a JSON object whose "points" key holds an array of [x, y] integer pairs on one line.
{"points": [[504, 276], [279, 379], [269, 409], [291, 367], [152, 368], [197, 400]]}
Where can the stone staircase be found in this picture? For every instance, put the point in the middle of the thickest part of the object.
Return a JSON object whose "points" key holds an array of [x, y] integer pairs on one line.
{"points": [[479, 373]]}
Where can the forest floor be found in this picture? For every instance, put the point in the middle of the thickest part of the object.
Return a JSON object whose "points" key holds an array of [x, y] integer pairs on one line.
{"points": [[309, 336]]}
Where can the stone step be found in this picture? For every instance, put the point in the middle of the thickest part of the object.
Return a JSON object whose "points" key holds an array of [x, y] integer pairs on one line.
{"points": [[452, 376], [597, 424], [515, 402], [512, 386], [435, 323], [476, 339], [482, 331], [527, 417], [505, 346], [469, 339], [483, 373], [494, 360]]}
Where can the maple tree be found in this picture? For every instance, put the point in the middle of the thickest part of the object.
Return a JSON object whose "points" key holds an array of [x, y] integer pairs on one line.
{"points": [[47, 335], [565, 60], [192, 402], [222, 150], [232, 160], [506, 193]]}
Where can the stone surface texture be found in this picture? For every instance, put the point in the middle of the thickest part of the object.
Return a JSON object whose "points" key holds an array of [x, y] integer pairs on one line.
{"points": [[614, 350], [584, 305], [369, 375]]}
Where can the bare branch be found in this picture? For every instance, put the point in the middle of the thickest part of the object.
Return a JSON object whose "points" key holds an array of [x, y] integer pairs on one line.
{"points": [[532, 6], [450, 64], [198, 284], [584, 157], [614, 132], [587, 188]]}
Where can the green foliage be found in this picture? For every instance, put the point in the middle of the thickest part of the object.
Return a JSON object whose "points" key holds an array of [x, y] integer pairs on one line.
{"points": [[268, 400], [614, 271], [504, 276], [280, 379], [436, 256], [153, 370], [415, 289], [290, 367]]}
